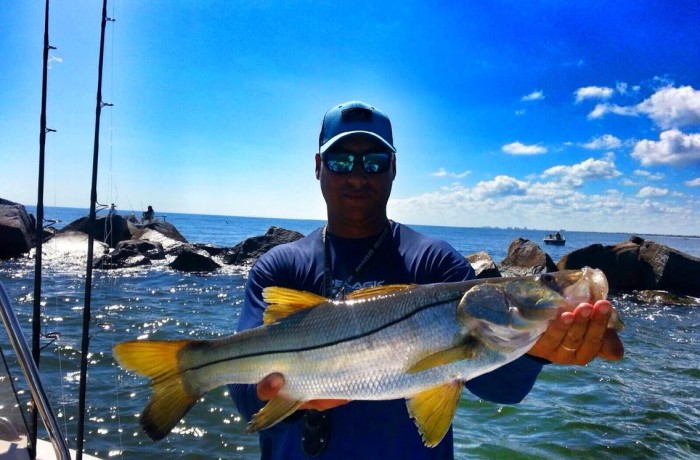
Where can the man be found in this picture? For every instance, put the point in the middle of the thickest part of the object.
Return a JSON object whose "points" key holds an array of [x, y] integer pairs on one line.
{"points": [[360, 247]]}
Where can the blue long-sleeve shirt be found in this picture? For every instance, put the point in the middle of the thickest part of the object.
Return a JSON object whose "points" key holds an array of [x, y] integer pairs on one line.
{"points": [[367, 429]]}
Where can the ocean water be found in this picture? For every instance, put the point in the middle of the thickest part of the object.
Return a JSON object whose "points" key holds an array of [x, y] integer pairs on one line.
{"points": [[645, 406]]}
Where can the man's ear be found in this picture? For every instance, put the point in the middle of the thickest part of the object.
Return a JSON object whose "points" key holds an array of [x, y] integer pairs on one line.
{"points": [[318, 165], [393, 167]]}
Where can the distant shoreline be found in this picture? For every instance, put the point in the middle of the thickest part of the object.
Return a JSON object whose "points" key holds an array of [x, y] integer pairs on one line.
{"points": [[32, 209]]}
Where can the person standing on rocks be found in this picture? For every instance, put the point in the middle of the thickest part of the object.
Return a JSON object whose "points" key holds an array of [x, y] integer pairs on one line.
{"points": [[148, 215]]}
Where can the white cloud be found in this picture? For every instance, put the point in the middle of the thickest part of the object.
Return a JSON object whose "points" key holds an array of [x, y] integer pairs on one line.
{"points": [[668, 107], [589, 169], [444, 173], [693, 182], [652, 191], [518, 148], [501, 186], [672, 107], [648, 175], [593, 92], [603, 109], [606, 141], [673, 147], [506, 201], [533, 96], [520, 112]]}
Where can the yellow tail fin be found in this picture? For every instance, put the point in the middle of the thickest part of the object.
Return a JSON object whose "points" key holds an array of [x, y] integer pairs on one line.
{"points": [[158, 360]]}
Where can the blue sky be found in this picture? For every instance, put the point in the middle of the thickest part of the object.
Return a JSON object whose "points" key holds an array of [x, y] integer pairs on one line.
{"points": [[539, 114]]}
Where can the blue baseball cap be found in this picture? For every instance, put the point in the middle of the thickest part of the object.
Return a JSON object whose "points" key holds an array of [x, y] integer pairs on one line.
{"points": [[351, 118]]}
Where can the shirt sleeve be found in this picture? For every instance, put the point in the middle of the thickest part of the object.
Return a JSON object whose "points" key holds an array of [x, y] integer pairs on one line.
{"points": [[508, 384]]}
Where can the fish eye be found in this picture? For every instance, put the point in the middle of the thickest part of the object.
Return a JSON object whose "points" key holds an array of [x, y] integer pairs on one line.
{"points": [[548, 279]]}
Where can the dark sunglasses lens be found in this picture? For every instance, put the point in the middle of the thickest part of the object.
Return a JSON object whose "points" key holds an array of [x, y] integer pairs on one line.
{"points": [[372, 163], [339, 162], [375, 163]]}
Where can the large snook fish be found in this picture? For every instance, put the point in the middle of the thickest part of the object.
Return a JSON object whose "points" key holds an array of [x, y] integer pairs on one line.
{"points": [[402, 341]]}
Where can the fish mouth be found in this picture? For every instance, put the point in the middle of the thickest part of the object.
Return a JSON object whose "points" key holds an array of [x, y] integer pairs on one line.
{"points": [[540, 299], [587, 285]]}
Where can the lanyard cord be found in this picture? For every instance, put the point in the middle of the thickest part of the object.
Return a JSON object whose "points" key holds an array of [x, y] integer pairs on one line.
{"points": [[328, 276]]}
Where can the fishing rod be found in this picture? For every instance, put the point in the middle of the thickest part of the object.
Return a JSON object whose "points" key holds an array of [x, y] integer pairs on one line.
{"points": [[91, 240], [39, 230]]}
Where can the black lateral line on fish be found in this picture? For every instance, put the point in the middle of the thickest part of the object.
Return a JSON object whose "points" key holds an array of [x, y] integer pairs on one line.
{"points": [[323, 345]]}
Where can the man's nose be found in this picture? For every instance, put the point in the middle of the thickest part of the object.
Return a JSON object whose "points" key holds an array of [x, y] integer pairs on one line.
{"points": [[358, 170]]}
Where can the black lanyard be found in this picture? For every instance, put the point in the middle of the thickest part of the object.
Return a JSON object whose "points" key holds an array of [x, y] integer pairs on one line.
{"points": [[317, 424], [327, 268]]}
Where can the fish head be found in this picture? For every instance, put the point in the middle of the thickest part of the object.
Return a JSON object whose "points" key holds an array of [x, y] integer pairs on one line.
{"points": [[511, 312], [539, 297]]}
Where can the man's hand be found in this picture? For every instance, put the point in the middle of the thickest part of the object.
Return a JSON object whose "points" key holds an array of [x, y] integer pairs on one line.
{"points": [[273, 383], [580, 336]]}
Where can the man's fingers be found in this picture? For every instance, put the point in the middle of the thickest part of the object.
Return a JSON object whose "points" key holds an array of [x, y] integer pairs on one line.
{"points": [[556, 331], [269, 386], [592, 340], [574, 337]]}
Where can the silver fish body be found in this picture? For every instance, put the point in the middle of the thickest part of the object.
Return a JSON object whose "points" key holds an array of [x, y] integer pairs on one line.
{"points": [[385, 343], [360, 349]]}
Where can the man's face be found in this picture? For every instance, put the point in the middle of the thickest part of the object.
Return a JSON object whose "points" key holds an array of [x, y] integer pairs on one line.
{"points": [[356, 197]]}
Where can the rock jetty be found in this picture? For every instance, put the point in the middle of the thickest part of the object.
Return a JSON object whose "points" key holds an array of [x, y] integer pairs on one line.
{"points": [[634, 265], [638, 264], [16, 229]]}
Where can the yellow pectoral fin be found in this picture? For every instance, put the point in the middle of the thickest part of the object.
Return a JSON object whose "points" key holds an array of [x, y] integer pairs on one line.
{"points": [[276, 410], [434, 409], [468, 350], [284, 301], [377, 290]]}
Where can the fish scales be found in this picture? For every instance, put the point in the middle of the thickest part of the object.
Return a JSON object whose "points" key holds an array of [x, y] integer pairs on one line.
{"points": [[419, 342], [360, 345]]}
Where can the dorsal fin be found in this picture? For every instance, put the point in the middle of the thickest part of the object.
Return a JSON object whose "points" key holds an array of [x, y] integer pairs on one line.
{"points": [[284, 301], [377, 290]]}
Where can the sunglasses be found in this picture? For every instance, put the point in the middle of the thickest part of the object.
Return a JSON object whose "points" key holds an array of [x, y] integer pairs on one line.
{"points": [[342, 162]]}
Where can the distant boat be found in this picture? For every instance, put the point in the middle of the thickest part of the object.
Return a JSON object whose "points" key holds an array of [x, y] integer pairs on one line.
{"points": [[556, 239]]}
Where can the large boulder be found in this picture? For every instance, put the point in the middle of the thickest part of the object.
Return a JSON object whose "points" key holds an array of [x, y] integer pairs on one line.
{"points": [[638, 264], [131, 253], [247, 251], [193, 261], [669, 269], [110, 229], [17, 228], [164, 228], [524, 258], [170, 245], [619, 262], [483, 265]]}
